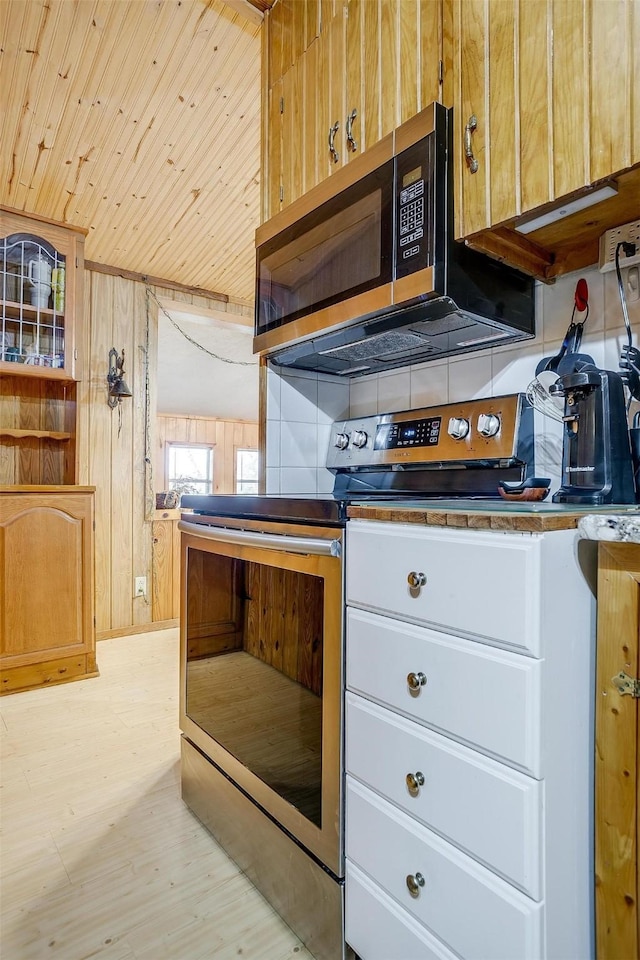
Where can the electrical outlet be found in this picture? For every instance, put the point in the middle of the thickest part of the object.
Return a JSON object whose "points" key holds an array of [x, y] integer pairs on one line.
{"points": [[610, 240], [140, 587]]}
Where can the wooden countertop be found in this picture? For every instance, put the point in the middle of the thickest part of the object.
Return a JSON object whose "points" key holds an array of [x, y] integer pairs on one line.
{"points": [[481, 515]]}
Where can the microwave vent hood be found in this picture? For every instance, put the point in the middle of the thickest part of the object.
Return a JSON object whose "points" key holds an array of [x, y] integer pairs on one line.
{"points": [[362, 274], [427, 329]]}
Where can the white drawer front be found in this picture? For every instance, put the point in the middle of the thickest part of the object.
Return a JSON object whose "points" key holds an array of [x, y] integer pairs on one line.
{"points": [[486, 697], [378, 929], [484, 807], [482, 584], [468, 907]]}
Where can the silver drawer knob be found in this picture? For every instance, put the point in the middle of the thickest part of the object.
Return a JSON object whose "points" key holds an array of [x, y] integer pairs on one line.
{"points": [[414, 882], [416, 680], [416, 580], [414, 781]]}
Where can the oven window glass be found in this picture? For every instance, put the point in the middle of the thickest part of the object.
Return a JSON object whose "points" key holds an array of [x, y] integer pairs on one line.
{"points": [[254, 670], [342, 249]]}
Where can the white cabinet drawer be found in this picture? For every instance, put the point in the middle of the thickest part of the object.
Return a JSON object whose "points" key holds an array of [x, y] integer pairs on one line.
{"points": [[486, 697], [469, 908], [378, 929], [483, 584], [484, 807]]}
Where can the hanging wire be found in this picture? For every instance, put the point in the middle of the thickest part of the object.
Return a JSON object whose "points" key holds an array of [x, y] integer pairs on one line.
{"points": [[629, 249], [216, 356], [148, 460]]}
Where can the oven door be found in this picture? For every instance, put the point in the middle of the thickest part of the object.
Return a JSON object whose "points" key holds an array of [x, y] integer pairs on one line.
{"points": [[261, 670]]}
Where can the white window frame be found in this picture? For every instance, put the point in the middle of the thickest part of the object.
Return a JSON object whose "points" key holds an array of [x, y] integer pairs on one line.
{"points": [[181, 484]]}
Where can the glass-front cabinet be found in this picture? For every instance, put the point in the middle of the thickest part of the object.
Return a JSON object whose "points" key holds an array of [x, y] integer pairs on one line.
{"points": [[39, 264], [41, 283]]}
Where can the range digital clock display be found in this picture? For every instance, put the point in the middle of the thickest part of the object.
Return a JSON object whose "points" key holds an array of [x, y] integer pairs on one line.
{"points": [[412, 433]]}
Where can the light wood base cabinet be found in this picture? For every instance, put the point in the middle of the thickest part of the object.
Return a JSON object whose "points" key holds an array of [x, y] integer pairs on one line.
{"points": [[166, 568], [617, 755], [47, 631]]}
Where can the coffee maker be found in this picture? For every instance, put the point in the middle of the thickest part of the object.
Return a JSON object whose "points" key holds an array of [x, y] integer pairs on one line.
{"points": [[597, 464]]}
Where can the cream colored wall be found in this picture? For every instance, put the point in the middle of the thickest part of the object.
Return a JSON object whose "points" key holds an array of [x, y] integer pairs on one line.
{"points": [[117, 447]]}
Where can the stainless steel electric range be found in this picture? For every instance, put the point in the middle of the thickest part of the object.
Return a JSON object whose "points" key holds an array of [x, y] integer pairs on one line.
{"points": [[262, 644]]}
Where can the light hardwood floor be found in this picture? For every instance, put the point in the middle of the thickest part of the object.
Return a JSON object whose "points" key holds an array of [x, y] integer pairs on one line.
{"points": [[99, 857]]}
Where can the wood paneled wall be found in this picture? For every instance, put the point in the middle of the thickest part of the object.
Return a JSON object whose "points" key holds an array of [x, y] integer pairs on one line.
{"points": [[116, 447], [226, 436]]}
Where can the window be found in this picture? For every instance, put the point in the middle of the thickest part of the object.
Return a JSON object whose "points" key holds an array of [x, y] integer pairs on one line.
{"points": [[190, 467], [246, 471]]}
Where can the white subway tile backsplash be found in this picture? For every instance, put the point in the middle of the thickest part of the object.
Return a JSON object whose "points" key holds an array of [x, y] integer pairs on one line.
{"points": [[363, 397], [513, 370], [557, 305], [333, 401], [394, 391], [272, 480], [615, 341], [298, 480], [298, 445], [429, 384], [324, 437], [614, 315], [273, 443], [299, 399], [273, 394], [470, 377]]}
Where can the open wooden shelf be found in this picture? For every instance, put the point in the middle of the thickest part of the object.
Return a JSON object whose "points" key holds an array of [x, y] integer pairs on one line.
{"points": [[40, 434], [12, 369], [25, 311]]}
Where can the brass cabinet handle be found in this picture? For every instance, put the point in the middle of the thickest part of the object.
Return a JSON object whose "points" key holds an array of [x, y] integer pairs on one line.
{"points": [[414, 882], [416, 680], [469, 128], [414, 781], [335, 156], [351, 143], [416, 580]]}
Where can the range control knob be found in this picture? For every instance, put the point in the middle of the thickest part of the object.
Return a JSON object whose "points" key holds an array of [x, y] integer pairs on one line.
{"points": [[488, 424], [341, 441], [458, 428], [359, 438]]}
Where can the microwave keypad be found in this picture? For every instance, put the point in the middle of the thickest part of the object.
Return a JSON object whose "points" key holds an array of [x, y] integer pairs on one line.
{"points": [[411, 215]]}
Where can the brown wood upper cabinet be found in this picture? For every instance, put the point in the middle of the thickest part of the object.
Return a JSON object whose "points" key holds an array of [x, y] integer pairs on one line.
{"points": [[358, 68], [550, 89], [41, 296]]}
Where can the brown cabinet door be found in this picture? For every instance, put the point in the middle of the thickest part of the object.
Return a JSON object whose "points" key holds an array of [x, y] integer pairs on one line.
{"points": [[617, 759], [46, 587], [166, 570], [550, 87], [379, 58]]}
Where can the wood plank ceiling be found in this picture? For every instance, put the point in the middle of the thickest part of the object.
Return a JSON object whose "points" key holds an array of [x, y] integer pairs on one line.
{"points": [[138, 120]]}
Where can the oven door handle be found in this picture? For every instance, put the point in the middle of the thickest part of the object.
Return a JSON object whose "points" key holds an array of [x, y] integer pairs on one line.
{"points": [[273, 541]]}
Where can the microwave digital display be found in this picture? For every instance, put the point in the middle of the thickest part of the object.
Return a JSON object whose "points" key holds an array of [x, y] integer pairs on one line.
{"points": [[411, 177]]}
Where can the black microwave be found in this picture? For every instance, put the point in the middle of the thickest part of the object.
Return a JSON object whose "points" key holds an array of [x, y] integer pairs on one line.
{"points": [[362, 274]]}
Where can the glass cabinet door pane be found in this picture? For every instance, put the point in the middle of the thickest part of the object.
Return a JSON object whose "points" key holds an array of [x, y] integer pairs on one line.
{"points": [[32, 288]]}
